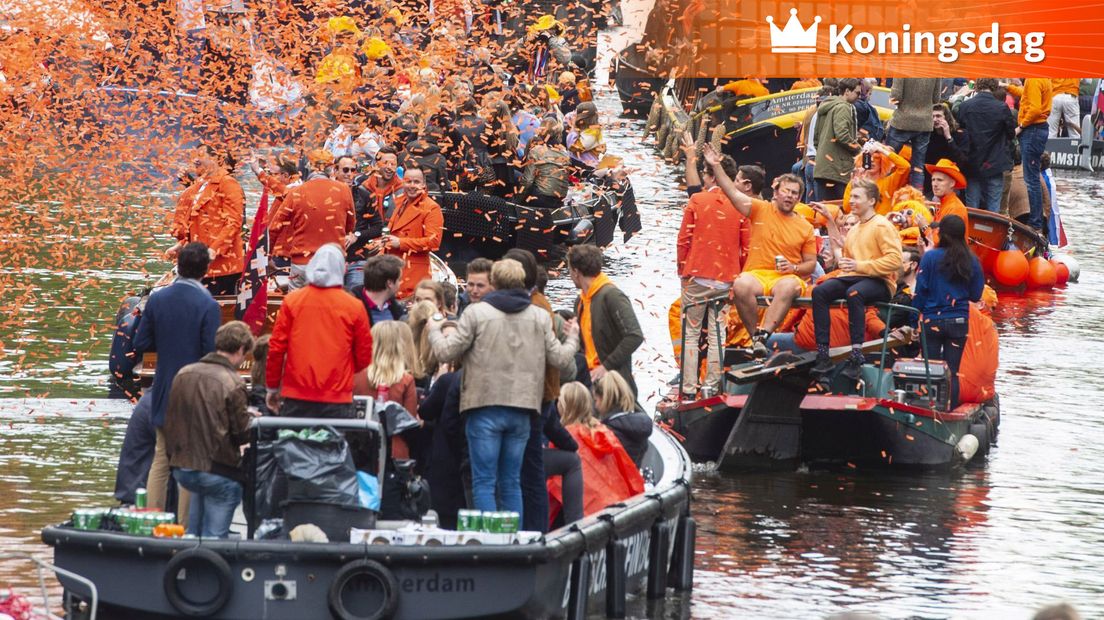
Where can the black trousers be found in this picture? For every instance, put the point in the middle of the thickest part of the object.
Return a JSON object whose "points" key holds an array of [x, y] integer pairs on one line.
{"points": [[534, 491], [859, 292], [946, 340], [222, 285], [829, 190]]}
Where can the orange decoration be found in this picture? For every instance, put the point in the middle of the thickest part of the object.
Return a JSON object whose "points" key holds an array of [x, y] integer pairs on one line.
{"points": [[1011, 268], [1041, 274]]}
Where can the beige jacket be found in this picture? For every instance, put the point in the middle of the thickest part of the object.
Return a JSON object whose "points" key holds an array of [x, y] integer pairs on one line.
{"points": [[504, 355]]}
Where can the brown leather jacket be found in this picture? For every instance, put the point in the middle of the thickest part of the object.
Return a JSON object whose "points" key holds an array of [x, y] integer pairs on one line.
{"points": [[206, 420]]}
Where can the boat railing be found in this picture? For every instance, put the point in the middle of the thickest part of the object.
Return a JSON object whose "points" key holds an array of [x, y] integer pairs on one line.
{"points": [[889, 308], [368, 423], [41, 566]]}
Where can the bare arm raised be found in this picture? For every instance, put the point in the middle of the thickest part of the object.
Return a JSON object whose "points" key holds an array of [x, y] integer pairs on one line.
{"points": [[740, 200]]}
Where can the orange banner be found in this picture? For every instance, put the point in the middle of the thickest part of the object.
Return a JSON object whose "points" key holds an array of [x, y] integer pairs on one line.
{"points": [[882, 38]]}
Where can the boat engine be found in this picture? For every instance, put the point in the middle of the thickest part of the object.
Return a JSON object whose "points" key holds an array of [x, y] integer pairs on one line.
{"points": [[910, 377]]}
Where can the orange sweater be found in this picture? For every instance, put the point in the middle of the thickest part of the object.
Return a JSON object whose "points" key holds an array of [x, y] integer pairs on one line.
{"points": [[1035, 96], [876, 248], [1065, 86]]}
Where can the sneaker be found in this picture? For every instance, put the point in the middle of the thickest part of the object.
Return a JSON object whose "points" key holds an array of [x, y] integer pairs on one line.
{"points": [[852, 369], [759, 348], [823, 366]]}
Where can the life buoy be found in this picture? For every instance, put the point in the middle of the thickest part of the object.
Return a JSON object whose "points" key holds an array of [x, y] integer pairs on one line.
{"points": [[202, 561], [360, 570]]}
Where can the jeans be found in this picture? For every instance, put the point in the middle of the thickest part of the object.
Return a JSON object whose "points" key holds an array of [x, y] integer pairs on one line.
{"points": [[354, 274], [810, 182], [896, 138], [946, 340], [496, 445], [859, 292], [1033, 140], [534, 491], [569, 467], [985, 192], [214, 499]]}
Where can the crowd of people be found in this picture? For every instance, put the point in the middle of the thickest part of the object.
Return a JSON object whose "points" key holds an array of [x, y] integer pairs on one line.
{"points": [[506, 392], [898, 232]]}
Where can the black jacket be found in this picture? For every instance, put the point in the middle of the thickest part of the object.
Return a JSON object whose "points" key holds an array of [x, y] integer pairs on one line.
{"points": [[991, 127], [448, 458], [428, 157], [369, 223], [633, 429]]}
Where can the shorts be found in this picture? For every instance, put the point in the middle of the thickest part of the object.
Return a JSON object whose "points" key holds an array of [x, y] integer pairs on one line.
{"points": [[769, 277]]}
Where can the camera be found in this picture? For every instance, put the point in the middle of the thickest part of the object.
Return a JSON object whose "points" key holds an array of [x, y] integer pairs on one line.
{"points": [[867, 160]]}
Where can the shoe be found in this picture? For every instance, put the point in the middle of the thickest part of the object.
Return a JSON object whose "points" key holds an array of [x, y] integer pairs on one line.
{"points": [[852, 369], [823, 366], [759, 348]]}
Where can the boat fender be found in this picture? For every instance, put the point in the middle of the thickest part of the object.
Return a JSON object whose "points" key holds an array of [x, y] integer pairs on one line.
{"points": [[980, 430], [616, 578], [967, 447], [657, 560], [1072, 264], [579, 588], [681, 576], [350, 579], [653, 118], [197, 560]]}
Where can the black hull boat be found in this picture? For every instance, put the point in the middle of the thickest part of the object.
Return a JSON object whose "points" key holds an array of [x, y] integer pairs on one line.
{"points": [[644, 544], [768, 417], [481, 225], [636, 87]]}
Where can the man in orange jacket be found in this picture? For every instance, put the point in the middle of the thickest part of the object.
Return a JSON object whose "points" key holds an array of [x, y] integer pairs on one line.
{"points": [[320, 341], [416, 228], [1035, 104], [318, 212]]}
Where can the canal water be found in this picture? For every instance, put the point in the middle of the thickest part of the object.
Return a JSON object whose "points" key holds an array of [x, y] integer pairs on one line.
{"points": [[997, 541]]}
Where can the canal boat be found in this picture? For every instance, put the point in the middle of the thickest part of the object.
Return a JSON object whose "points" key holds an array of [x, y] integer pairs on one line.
{"points": [[644, 544], [989, 233], [771, 415], [636, 86]]}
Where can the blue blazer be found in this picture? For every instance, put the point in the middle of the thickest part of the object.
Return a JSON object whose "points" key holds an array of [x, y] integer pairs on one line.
{"points": [[179, 323]]}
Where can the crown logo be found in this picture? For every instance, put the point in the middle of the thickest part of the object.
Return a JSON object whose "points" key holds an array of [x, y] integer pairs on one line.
{"points": [[794, 38]]}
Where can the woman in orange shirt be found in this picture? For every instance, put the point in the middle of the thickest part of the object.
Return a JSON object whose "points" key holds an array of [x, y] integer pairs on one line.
{"points": [[868, 274]]}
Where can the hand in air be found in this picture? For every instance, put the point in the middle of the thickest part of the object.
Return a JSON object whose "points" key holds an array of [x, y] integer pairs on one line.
{"points": [[712, 157]]}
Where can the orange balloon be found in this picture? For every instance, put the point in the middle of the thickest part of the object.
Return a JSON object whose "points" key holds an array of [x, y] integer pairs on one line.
{"points": [[1062, 272], [1011, 268], [1041, 274]]}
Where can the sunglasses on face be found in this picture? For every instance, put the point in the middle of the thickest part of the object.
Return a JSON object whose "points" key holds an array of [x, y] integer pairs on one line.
{"points": [[348, 169]]}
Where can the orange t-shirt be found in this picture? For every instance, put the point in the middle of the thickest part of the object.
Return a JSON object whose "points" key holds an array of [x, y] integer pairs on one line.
{"points": [[773, 234], [951, 205]]}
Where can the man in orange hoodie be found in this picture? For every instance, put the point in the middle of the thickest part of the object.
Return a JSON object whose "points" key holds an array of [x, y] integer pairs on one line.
{"points": [[1035, 104], [318, 212], [709, 259], [320, 341]]}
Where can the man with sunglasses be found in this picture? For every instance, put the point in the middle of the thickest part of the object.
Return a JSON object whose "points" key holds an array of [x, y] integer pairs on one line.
{"points": [[368, 227]]}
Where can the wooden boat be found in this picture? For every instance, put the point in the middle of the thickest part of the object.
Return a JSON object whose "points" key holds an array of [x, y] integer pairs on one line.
{"points": [[990, 232], [644, 544], [768, 418]]}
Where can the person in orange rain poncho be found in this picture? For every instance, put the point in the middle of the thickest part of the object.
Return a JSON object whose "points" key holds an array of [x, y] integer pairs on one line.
{"points": [[609, 474], [888, 170], [977, 375]]}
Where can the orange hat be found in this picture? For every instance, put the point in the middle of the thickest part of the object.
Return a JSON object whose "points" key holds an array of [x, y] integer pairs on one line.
{"points": [[950, 169], [320, 157]]}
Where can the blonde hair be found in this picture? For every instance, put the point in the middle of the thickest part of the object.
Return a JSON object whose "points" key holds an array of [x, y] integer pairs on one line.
{"points": [[507, 273], [392, 353], [613, 394], [576, 405], [425, 362]]}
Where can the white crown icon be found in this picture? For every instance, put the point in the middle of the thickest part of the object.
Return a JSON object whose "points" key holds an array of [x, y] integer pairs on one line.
{"points": [[794, 39]]}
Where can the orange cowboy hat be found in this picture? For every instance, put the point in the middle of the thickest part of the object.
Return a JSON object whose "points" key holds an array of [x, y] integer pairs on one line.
{"points": [[950, 169]]}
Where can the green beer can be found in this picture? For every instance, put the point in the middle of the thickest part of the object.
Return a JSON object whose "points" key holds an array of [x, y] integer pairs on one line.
{"points": [[510, 522], [80, 519], [469, 520], [492, 522], [141, 498]]}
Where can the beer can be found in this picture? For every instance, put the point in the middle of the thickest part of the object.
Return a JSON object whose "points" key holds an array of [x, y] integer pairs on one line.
{"points": [[95, 517], [899, 395], [141, 498], [511, 521], [492, 522], [80, 519], [469, 520], [779, 260]]}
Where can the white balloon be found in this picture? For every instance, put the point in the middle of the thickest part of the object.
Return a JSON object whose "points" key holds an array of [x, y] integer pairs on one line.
{"points": [[1072, 264]]}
